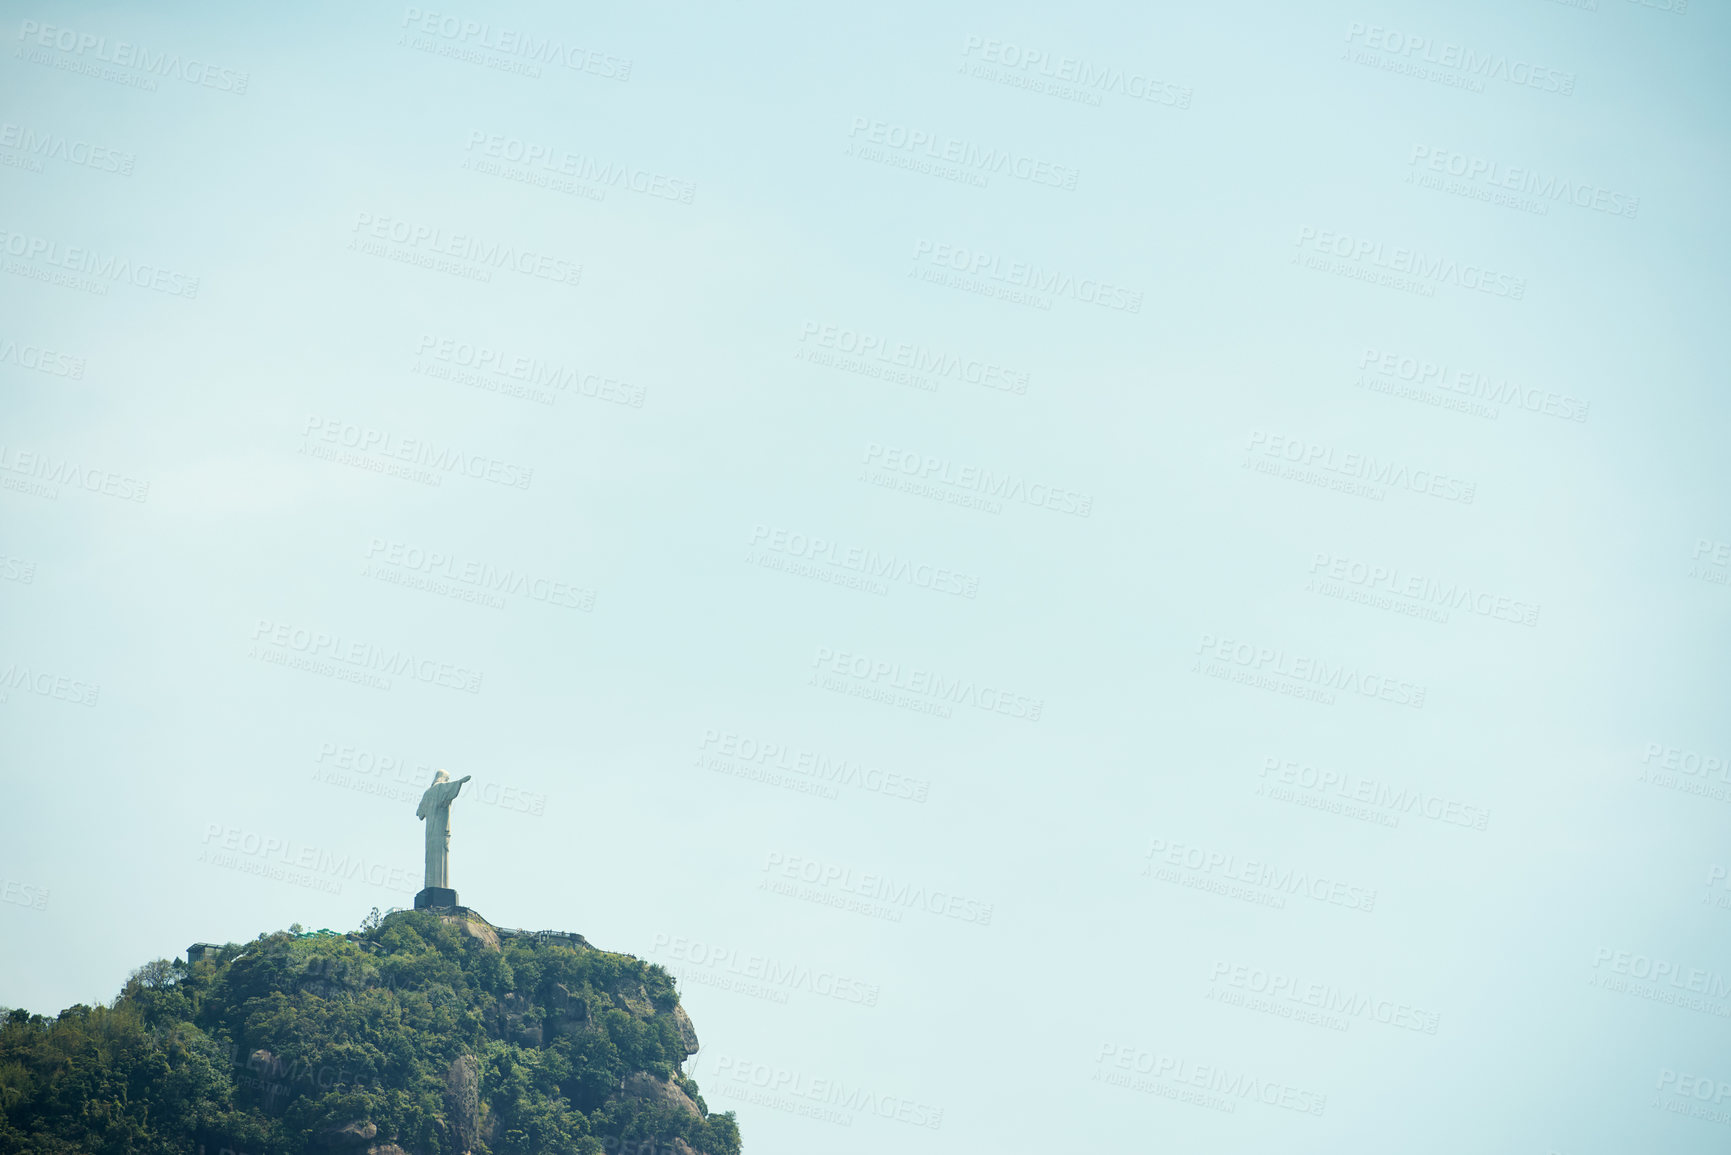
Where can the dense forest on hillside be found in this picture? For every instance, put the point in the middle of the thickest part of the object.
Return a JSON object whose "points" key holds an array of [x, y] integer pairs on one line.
{"points": [[419, 1035]]}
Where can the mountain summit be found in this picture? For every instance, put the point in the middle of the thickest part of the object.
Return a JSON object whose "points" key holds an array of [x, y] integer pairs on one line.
{"points": [[423, 1033]]}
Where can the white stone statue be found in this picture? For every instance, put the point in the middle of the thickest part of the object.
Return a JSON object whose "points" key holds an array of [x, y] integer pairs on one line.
{"points": [[435, 808]]}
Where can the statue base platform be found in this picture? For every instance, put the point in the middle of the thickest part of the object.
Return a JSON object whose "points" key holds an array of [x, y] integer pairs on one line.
{"points": [[435, 897]]}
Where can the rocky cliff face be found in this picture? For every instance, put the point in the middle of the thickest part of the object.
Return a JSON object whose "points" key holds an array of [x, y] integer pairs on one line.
{"points": [[545, 1018]]}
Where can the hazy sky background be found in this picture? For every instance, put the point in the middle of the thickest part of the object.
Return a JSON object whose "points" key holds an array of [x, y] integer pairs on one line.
{"points": [[593, 807]]}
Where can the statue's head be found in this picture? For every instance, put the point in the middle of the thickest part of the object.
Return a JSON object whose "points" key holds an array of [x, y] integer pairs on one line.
{"points": [[440, 776]]}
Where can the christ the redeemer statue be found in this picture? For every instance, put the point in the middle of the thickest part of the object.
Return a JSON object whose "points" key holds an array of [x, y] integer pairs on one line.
{"points": [[435, 810]]}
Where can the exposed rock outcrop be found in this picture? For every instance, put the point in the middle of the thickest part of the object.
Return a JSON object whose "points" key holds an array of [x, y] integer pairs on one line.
{"points": [[349, 1136], [463, 1101], [642, 1085]]}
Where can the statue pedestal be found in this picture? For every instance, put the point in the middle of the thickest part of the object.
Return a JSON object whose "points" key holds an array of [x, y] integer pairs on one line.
{"points": [[435, 896]]}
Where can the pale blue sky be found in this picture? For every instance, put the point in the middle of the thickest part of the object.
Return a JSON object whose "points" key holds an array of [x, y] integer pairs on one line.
{"points": [[597, 718]]}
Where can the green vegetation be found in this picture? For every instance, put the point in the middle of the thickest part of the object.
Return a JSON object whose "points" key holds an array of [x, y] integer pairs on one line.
{"points": [[416, 1031]]}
